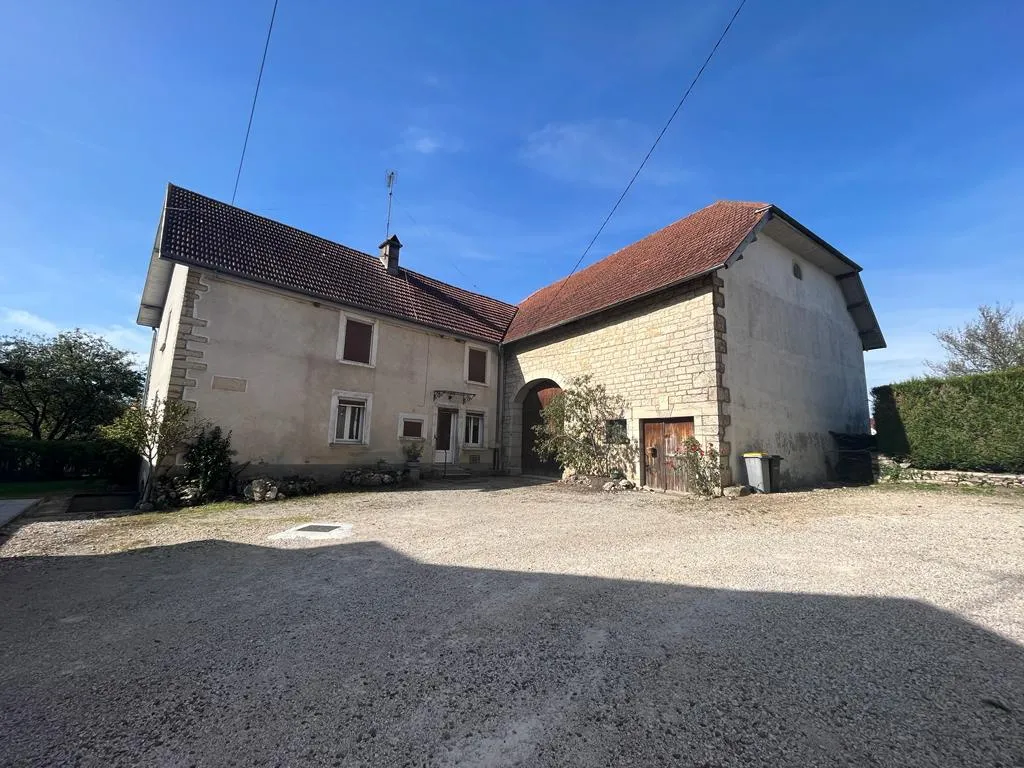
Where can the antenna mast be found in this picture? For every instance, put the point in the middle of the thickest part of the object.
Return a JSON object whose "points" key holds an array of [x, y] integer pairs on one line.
{"points": [[389, 179]]}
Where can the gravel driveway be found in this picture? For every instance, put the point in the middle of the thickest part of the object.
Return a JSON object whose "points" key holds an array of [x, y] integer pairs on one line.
{"points": [[514, 625]]}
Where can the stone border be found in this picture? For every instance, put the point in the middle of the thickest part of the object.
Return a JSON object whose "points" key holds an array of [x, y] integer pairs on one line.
{"points": [[894, 472]]}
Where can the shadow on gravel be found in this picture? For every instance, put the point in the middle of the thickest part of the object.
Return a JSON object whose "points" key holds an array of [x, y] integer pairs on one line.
{"points": [[484, 483], [213, 653]]}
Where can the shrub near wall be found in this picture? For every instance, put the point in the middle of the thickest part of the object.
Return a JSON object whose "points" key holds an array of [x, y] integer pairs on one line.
{"points": [[967, 422], [27, 459]]}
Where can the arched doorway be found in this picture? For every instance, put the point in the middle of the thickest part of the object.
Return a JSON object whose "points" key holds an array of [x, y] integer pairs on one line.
{"points": [[537, 396]]}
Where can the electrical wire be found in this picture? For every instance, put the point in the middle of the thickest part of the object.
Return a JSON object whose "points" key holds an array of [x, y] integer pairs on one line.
{"points": [[255, 95], [647, 157]]}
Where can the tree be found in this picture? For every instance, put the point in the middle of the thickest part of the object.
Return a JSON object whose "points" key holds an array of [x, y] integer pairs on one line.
{"points": [[153, 431], [581, 429], [992, 342], [63, 387]]}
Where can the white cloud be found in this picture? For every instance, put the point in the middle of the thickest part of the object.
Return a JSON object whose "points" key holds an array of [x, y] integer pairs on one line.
{"points": [[604, 153], [21, 320], [429, 142], [133, 339]]}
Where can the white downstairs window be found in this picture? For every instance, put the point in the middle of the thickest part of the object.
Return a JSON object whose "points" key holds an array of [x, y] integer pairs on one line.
{"points": [[350, 417], [474, 430]]}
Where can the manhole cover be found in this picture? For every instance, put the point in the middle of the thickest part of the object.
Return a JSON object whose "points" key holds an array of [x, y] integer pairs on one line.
{"points": [[318, 531]]}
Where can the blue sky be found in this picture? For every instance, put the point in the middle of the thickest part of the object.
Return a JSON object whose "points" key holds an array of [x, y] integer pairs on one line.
{"points": [[894, 130]]}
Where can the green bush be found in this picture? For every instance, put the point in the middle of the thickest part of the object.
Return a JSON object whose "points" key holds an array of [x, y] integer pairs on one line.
{"points": [[208, 467], [28, 459], [967, 422]]}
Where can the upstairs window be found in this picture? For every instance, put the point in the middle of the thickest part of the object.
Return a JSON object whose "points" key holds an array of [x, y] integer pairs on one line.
{"points": [[476, 365], [474, 429], [356, 344]]}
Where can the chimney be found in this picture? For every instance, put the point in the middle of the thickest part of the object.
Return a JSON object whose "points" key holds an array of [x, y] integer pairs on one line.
{"points": [[389, 254]]}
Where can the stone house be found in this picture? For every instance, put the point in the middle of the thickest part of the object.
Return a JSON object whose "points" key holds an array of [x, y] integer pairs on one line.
{"points": [[736, 325], [315, 355]]}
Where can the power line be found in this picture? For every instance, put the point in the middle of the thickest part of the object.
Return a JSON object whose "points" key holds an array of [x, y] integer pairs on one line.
{"points": [[650, 152], [255, 95]]}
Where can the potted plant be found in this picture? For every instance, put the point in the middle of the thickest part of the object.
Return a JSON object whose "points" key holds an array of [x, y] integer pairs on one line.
{"points": [[413, 450]]}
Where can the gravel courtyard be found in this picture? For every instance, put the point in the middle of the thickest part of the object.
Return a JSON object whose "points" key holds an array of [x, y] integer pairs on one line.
{"points": [[509, 624]]}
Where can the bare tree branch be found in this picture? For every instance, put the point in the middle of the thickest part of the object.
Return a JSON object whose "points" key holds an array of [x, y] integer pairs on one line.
{"points": [[992, 342]]}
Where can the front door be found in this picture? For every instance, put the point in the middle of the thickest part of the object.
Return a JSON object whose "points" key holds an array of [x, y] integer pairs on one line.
{"points": [[663, 449], [445, 443]]}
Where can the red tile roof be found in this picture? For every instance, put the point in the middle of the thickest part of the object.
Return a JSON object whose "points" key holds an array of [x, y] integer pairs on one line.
{"points": [[683, 250], [209, 234]]}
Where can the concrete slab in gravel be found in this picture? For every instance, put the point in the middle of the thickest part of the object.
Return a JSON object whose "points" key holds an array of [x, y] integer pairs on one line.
{"points": [[317, 531], [523, 626], [11, 508]]}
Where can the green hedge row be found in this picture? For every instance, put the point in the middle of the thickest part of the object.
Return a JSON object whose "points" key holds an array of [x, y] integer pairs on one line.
{"points": [[967, 422], [27, 459]]}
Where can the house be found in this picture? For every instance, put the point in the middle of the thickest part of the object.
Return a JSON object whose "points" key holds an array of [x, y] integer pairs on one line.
{"points": [[736, 325], [315, 355]]}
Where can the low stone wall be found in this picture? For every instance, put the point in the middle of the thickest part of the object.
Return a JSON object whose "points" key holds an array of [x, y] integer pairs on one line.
{"points": [[892, 472]]}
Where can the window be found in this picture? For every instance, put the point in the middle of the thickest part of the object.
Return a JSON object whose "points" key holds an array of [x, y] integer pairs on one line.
{"points": [[476, 365], [350, 417], [410, 426], [474, 429], [356, 343], [615, 432], [797, 272]]}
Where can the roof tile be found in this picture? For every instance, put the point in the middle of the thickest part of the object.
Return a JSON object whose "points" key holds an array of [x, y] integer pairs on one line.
{"points": [[689, 247], [212, 235]]}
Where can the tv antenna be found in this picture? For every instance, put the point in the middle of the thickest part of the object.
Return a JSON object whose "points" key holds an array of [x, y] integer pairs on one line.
{"points": [[389, 179]]}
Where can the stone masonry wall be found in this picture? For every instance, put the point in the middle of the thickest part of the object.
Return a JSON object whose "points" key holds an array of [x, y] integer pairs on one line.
{"points": [[188, 346], [662, 354]]}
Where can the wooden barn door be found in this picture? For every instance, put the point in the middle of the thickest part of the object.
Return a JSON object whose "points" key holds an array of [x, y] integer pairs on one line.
{"points": [[663, 448]]}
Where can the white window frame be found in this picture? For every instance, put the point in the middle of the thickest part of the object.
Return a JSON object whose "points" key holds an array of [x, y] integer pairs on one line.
{"points": [[404, 417], [487, 366], [332, 435], [343, 323], [482, 415]]}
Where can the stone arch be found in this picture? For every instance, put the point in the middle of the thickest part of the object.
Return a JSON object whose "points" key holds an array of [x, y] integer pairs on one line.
{"points": [[524, 412]]}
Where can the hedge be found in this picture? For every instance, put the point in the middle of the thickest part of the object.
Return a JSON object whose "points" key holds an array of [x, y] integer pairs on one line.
{"points": [[27, 459], [967, 422]]}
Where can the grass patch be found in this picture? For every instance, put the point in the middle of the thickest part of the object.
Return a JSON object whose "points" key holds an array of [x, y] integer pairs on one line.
{"points": [[971, 490], [32, 489], [217, 506]]}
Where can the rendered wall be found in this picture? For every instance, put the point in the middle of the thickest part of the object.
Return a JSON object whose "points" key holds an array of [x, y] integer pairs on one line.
{"points": [[794, 366], [279, 353], [162, 363]]}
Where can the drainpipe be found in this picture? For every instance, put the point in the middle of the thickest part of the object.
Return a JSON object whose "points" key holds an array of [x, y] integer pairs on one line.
{"points": [[499, 426], [149, 366]]}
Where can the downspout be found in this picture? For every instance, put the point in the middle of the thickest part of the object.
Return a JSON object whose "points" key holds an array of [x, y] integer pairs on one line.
{"points": [[149, 366], [499, 425]]}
